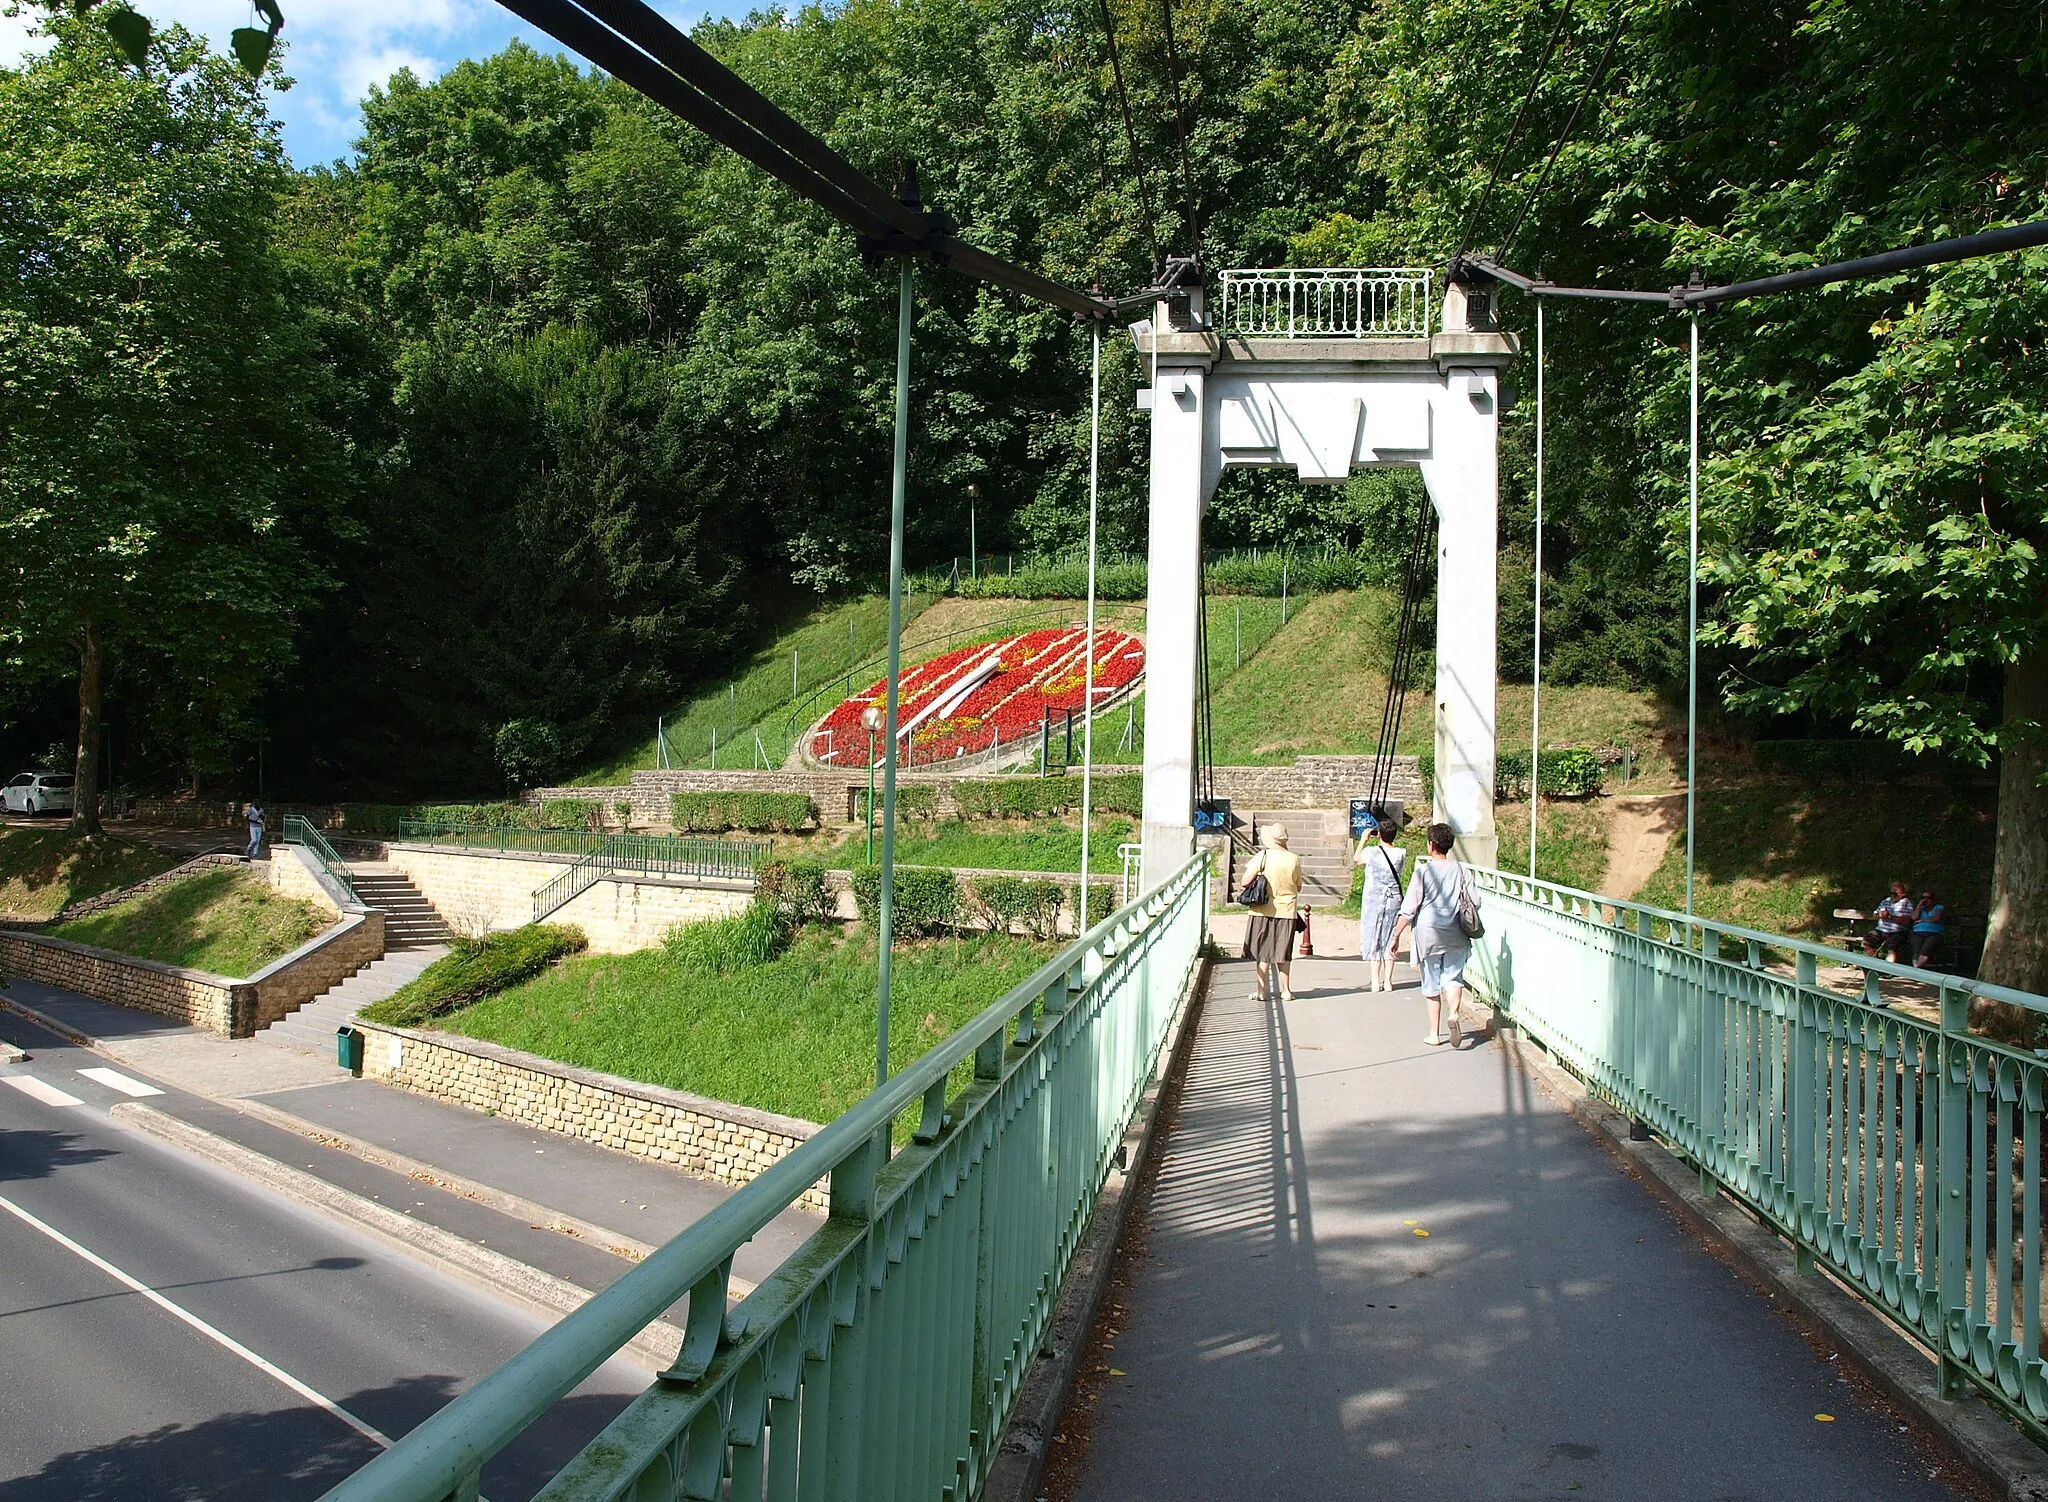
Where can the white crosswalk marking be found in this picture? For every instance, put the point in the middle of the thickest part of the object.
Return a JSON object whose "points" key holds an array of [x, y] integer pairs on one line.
{"points": [[35, 1089], [113, 1079]]}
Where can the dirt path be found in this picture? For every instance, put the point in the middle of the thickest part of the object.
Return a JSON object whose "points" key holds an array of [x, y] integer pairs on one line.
{"points": [[1639, 831]]}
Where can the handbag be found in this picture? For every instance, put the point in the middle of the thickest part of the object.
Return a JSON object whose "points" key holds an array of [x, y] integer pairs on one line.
{"points": [[1256, 889], [1468, 909]]}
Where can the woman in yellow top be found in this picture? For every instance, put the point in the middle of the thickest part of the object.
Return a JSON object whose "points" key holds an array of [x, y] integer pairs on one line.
{"points": [[1269, 935]]}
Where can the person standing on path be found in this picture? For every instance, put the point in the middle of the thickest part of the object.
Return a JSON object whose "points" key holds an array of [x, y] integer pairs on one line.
{"points": [[255, 851], [1379, 906], [1441, 948], [1269, 933]]}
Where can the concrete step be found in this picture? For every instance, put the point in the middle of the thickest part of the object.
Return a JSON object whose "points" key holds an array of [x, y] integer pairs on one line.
{"points": [[312, 1027], [410, 920]]}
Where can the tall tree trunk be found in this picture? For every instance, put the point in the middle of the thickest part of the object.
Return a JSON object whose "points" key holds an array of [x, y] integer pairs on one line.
{"points": [[2016, 937], [85, 789]]}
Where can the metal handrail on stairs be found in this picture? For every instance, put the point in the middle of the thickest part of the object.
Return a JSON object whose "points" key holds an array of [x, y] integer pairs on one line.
{"points": [[584, 874], [300, 831]]}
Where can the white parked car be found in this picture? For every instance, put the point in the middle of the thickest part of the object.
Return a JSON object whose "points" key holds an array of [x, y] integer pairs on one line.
{"points": [[37, 793]]}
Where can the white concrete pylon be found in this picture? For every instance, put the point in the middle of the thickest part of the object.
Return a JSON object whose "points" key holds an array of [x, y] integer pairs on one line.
{"points": [[1325, 407]]}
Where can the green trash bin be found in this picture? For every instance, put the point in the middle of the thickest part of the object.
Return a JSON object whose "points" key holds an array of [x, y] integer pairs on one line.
{"points": [[348, 1049]]}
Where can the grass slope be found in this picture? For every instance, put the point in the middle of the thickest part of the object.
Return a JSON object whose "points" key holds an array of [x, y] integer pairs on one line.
{"points": [[43, 869], [796, 1035], [1781, 856], [224, 921], [1571, 846]]}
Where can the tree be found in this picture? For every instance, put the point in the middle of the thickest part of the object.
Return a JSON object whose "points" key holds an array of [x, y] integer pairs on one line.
{"points": [[158, 431]]}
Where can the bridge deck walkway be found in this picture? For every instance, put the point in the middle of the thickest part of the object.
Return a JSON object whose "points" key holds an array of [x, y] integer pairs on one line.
{"points": [[1283, 1329]]}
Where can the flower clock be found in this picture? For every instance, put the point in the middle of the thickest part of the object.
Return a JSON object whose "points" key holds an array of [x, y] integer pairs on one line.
{"points": [[976, 700]]}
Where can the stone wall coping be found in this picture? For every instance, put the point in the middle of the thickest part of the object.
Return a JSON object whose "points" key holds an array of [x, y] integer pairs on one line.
{"points": [[155, 967], [623, 877], [658, 1095], [348, 923]]}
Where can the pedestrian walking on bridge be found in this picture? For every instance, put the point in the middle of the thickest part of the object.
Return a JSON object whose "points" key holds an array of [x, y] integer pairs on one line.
{"points": [[1441, 944]]}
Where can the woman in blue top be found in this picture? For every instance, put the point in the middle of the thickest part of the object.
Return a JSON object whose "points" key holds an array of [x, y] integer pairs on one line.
{"points": [[1930, 922]]}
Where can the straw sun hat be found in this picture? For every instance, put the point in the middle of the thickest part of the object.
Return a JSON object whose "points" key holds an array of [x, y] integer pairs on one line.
{"points": [[1274, 834]]}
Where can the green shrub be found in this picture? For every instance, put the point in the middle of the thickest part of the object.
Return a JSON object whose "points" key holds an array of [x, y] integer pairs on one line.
{"points": [[1101, 900], [796, 889], [475, 969], [624, 811], [914, 801], [477, 815], [1569, 774], [571, 813], [753, 936], [1002, 902], [1121, 793], [714, 813], [927, 899], [1017, 797]]}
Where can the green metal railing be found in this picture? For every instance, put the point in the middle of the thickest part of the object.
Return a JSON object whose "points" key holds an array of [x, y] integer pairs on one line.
{"points": [[1905, 1156], [882, 1359], [656, 854], [300, 831], [574, 882]]}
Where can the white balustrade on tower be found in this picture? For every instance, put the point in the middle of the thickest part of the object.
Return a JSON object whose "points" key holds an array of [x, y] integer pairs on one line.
{"points": [[1324, 371]]}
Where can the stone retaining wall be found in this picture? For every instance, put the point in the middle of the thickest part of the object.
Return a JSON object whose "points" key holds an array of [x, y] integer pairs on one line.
{"points": [[1311, 782], [481, 889], [120, 895], [220, 1003], [709, 1138]]}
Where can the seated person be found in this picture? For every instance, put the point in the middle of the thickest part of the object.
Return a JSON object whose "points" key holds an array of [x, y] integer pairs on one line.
{"points": [[1930, 922], [1894, 921]]}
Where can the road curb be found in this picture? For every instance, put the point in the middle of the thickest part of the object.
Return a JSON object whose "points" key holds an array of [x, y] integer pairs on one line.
{"points": [[537, 1292], [1979, 1440], [68, 1033], [1020, 1458]]}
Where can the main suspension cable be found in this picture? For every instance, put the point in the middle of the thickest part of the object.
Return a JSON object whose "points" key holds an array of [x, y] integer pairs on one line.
{"points": [[1403, 661], [1593, 81], [1180, 130], [1123, 103], [1514, 130]]}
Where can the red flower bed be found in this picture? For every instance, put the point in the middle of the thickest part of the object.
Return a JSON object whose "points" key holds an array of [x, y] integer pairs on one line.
{"points": [[1036, 673]]}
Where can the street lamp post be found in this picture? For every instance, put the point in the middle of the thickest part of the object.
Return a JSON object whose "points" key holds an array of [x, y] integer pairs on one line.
{"points": [[871, 721], [973, 546]]}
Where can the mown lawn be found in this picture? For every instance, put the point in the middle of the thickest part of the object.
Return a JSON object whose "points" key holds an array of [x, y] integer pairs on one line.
{"points": [[795, 1035], [225, 921], [41, 870]]}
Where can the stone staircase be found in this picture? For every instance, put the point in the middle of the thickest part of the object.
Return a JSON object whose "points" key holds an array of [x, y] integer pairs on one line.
{"points": [[414, 937], [1322, 840], [312, 1027], [409, 919]]}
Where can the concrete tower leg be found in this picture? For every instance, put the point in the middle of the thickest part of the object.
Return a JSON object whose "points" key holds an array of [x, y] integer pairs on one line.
{"points": [[1464, 486], [1173, 600]]}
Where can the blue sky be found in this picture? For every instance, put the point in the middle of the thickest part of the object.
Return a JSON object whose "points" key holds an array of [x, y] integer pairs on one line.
{"points": [[338, 48]]}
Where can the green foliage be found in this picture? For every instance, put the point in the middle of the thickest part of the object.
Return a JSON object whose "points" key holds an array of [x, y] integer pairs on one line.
{"points": [[1564, 774], [170, 461], [796, 890], [713, 813], [1121, 793], [1101, 900], [725, 946], [528, 751], [1041, 845], [926, 900], [1004, 903], [1057, 579], [914, 800], [571, 813], [224, 921], [472, 815], [475, 969], [1017, 797]]}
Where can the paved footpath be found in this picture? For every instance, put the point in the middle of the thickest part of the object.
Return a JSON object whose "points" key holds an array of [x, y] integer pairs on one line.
{"points": [[1291, 1331]]}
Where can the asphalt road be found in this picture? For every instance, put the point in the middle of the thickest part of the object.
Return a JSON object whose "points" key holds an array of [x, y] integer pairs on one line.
{"points": [[278, 1344]]}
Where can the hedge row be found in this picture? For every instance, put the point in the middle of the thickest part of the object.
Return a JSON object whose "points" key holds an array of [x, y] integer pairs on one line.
{"points": [[1565, 774], [932, 899], [1239, 574], [572, 813], [473, 970], [714, 813]]}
